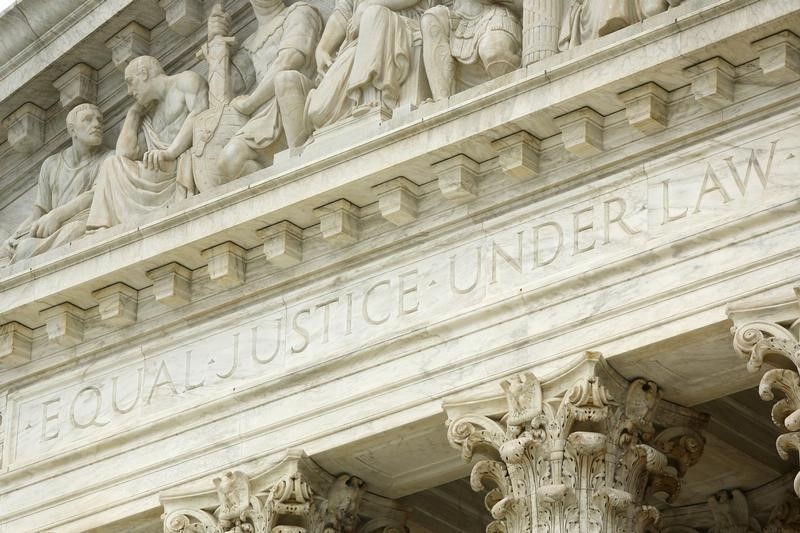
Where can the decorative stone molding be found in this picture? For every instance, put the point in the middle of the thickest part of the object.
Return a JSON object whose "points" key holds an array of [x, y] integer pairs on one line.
{"points": [[582, 131], [227, 264], [295, 496], [117, 304], [77, 85], [183, 16], [64, 324], [759, 342], [784, 517], [172, 284], [518, 154], [397, 200], [26, 128], [15, 344], [573, 452], [458, 177], [779, 56], [713, 82], [283, 243], [131, 41], [339, 222], [732, 513], [646, 107]]}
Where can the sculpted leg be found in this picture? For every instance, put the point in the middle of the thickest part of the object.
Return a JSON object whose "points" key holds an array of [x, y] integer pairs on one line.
{"points": [[237, 159], [291, 91], [499, 52], [439, 62]]}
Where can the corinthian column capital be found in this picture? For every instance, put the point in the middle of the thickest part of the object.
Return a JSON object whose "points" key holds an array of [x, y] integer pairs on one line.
{"points": [[294, 496], [774, 343], [582, 451]]}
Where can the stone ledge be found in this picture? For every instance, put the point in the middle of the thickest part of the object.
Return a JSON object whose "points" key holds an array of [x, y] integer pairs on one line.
{"points": [[239, 200]]}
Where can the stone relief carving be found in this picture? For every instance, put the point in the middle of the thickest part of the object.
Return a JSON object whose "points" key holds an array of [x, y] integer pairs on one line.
{"points": [[152, 161], [184, 134], [364, 59], [731, 513], [577, 460], [281, 54], [585, 20], [784, 517], [759, 342], [468, 42], [64, 194], [297, 498]]}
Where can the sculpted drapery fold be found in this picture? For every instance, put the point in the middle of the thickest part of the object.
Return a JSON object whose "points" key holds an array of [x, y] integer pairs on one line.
{"points": [[300, 78]]}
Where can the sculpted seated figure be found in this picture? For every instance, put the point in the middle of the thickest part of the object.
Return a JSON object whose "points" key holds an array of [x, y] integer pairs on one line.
{"points": [[66, 182], [134, 181], [586, 20], [469, 42], [284, 42], [363, 59]]}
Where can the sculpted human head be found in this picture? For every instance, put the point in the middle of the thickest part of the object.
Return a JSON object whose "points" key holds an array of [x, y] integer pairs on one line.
{"points": [[140, 76], [85, 124]]}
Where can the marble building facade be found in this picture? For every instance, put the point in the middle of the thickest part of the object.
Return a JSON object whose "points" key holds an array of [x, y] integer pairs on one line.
{"points": [[392, 266]]}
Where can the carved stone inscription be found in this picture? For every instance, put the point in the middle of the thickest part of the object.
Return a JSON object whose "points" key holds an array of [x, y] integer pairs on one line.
{"points": [[295, 331]]}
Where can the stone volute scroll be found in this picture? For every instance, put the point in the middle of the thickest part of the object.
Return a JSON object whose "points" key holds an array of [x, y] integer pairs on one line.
{"points": [[581, 453], [294, 496], [774, 342]]}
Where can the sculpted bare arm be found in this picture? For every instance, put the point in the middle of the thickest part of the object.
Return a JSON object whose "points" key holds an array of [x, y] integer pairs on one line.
{"points": [[128, 140], [195, 93]]}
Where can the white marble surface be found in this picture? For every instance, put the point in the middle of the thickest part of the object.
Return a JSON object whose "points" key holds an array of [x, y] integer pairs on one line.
{"points": [[350, 352]]}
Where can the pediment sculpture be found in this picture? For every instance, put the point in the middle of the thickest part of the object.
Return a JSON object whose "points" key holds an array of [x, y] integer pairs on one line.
{"points": [[297, 76], [64, 192]]}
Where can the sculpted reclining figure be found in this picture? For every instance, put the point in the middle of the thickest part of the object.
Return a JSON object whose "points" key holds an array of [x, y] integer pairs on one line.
{"points": [[363, 59], [284, 42], [468, 43], [64, 194], [131, 184]]}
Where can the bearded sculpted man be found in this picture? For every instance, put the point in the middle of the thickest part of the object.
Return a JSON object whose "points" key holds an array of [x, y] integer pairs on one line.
{"points": [[152, 161], [363, 59], [64, 193], [468, 43], [284, 42]]}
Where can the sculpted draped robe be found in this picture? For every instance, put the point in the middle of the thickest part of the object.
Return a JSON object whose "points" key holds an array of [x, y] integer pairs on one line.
{"points": [[298, 28], [126, 189], [379, 56], [58, 185], [586, 20]]}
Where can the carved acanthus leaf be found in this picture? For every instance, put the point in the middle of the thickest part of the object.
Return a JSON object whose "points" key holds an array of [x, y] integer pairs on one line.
{"points": [[756, 342], [578, 457]]}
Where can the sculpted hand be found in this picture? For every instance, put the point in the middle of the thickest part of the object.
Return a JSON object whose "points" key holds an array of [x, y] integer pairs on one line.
{"points": [[324, 61], [8, 248], [157, 159], [47, 224], [242, 104]]}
